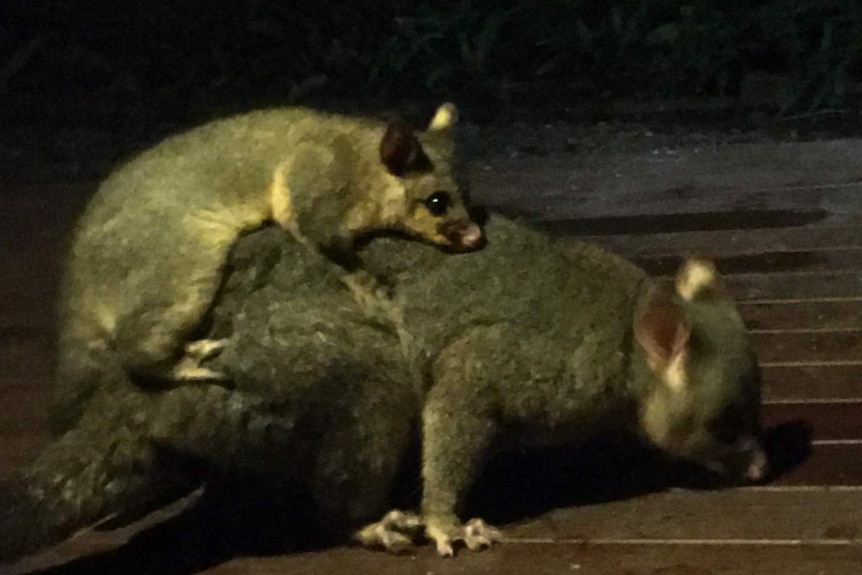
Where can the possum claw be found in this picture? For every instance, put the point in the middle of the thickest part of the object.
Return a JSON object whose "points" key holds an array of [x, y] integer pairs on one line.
{"points": [[442, 540], [396, 532], [479, 535], [205, 348], [475, 534], [188, 368]]}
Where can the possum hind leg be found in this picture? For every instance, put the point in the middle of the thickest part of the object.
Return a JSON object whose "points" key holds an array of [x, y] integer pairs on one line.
{"points": [[155, 348], [189, 367], [154, 339]]}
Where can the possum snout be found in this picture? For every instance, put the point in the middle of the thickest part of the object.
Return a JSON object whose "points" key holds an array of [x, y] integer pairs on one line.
{"points": [[757, 468], [463, 235], [746, 462]]}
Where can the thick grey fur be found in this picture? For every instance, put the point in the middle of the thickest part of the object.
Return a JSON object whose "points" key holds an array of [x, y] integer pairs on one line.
{"points": [[525, 342]]}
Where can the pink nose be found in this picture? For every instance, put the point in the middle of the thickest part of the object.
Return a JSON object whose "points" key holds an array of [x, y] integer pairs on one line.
{"points": [[471, 236], [758, 466]]}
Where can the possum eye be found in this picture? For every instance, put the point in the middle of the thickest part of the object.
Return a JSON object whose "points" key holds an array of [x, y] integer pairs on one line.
{"points": [[438, 202]]}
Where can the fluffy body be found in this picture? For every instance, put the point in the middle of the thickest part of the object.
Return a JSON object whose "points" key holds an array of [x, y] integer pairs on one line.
{"points": [[526, 342], [306, 362], [147, 257], [536, 342]]}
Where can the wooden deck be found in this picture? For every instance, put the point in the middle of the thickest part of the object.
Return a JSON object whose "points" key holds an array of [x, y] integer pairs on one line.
{"points": [[785, 224]]}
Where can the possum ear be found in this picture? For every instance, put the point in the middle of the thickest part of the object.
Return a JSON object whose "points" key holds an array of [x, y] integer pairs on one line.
{"points": [[663, 332], [400, 150], [697, 277], [444, 118]]}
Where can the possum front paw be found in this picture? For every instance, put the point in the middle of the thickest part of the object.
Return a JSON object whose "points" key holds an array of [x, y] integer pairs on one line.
{"points": [[189, 368], [475, 535], [395, 533]]}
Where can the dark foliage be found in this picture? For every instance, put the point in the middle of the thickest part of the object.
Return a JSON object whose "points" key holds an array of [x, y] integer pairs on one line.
{"points": [[785, 56]]}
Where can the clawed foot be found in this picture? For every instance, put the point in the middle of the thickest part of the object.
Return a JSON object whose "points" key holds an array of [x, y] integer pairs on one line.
{"points": [[205, 348], [188, 368], [398, 531], [475, 534], [395, 533]]}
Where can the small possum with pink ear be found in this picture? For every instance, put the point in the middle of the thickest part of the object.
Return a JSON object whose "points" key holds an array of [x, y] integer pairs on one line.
{"points": [[148, 255]]}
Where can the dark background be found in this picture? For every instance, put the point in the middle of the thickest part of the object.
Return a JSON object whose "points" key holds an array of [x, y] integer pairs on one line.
{"points": [[181, 57], [90, 79]]}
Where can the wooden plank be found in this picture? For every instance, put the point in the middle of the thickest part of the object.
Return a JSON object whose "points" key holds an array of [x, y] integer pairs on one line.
{"points": [[805, 383], [674, 519], [716, 169], [823, 523], [814, 445], [697, 515], [725, 242], [843, 314], [829, 421], [788, 348], [160, 554], [829, 465], [681, 222], [849, 259], [564, 193], [521, 557], [773, 286]]}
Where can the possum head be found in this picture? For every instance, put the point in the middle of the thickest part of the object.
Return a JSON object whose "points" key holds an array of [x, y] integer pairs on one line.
{"points": [[705, 405], [431, 198]]}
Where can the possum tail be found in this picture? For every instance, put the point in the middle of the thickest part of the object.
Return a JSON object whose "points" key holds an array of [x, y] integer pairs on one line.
{"points": [[106, 465], [23, 523], [130, 452]]}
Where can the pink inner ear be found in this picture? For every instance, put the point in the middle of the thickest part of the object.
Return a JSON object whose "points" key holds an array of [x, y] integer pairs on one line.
{"points": [[399, 147], [663, 332]]}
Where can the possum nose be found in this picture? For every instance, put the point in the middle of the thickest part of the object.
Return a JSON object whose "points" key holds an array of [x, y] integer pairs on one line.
{"points": [[472, 236], [467, 237], [752, 461], [758, 466]]}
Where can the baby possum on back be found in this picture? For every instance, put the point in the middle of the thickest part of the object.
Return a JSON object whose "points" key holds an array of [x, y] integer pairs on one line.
{"points": [[148, 255]]}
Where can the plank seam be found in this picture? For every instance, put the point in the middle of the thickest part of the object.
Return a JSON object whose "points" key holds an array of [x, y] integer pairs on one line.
{"points": [[819, 542]]}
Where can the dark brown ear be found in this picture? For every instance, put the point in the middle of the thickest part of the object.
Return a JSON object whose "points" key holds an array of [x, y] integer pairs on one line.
{"points": [[663, 332], [400, 150]]}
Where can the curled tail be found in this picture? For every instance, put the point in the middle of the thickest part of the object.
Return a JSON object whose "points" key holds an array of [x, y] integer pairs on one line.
{"points": [[130, 452], [102, 462], [23, 521], [106, 465]]}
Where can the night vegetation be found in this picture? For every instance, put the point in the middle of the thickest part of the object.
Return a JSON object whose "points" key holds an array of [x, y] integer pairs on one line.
{"points": [[782, 56]]}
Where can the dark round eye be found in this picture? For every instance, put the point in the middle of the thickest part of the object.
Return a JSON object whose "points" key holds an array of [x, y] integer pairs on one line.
{"points": [[438, 202]]}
